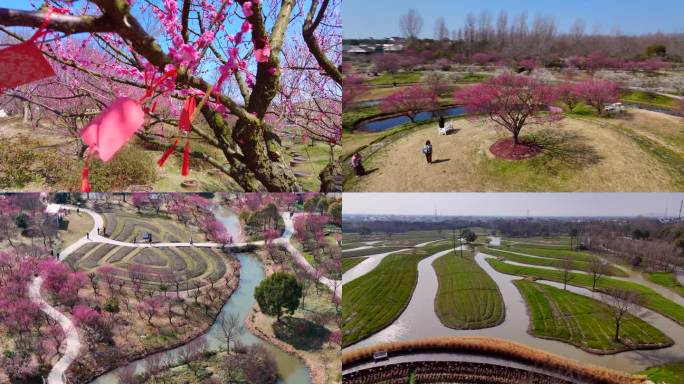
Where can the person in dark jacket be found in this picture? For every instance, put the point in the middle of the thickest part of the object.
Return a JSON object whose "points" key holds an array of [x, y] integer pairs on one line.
{"points": [[427, 151]]}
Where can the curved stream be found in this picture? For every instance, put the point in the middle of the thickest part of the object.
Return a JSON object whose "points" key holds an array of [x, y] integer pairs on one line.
{"points": [[419, 320], [290, 369]]}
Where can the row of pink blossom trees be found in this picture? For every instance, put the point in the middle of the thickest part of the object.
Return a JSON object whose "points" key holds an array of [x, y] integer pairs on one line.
{"points": [[192, 209], [409, 59], [510, 101]]}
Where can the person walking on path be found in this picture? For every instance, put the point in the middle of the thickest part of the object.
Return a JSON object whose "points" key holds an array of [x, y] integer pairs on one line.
{"points": [[357, 163], [88, 235], [427, 151], [441, 122]]}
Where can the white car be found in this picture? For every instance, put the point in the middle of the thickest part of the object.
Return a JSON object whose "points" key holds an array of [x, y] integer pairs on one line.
{"points": [[615, 107]]}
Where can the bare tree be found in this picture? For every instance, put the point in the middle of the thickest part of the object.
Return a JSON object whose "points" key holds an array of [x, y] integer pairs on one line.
{"points": [[411, 24], [621, 303], [501, 28], [566, 267], [597, 268], [441, 30], [231, 328]]}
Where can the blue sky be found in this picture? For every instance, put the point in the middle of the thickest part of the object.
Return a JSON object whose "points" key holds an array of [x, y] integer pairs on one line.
{"points": [[380, 18], [514, 204]]}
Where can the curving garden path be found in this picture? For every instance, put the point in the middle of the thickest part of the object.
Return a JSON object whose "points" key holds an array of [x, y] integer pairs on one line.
{"points": [[419, 320], [56, 375], [73, 343], [372, 261]]}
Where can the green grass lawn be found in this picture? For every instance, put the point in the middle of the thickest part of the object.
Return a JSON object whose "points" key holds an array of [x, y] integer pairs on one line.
{"points": [[374, 300], [649, 98], [552, 253], [667, 280], [467, 298], [399, 78], [672, 373], [350, 262], [583, 322], [556, 263], [652, 299]]}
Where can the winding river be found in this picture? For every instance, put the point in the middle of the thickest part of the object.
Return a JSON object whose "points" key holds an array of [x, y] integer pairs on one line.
{"points": [[383, 124], [419, 320], [290, 369]]}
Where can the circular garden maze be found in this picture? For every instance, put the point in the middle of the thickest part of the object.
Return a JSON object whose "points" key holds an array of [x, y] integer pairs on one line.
{"points": [[194, 266]]}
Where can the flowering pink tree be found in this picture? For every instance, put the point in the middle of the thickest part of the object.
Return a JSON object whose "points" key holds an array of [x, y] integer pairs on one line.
{"points": [[569, 93], [598, 93], [150, 307], [63, 283], [386, 62], [411, 101], [140, 200], [527, 65], [216, 231], [511, 102], [354, 86], [235, 50], [481, 58]]}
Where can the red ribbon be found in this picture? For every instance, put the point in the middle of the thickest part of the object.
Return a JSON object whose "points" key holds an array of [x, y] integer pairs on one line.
{"points": [[171, 73], [185, 125], [85, 185], [42, 30]]}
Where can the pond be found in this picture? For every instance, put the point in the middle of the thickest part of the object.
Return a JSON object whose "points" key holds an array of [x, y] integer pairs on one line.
{"points": [[290, 369], [383, 124]]}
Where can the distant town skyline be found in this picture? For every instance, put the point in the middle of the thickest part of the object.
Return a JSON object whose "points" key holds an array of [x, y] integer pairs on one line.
{"points": [[380, 18], [514, 204]]}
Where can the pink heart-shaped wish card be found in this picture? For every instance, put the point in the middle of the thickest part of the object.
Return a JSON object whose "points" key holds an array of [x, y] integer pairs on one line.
{"points": [[107, 133]]}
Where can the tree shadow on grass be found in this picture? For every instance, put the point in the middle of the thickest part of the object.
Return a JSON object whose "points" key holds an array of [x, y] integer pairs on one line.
{"points": [[569, 149], [301, 333]]}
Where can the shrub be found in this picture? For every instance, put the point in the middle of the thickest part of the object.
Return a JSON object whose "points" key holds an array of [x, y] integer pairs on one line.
{"points": [[131, 166], [16, 160]]}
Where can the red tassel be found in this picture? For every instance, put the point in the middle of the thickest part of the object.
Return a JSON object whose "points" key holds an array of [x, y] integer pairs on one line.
{"points": [[186, 157], [85, 185], [167, 153]]}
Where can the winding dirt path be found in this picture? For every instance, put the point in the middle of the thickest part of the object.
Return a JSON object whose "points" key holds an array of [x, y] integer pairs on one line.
{"points": [[73, 343]]}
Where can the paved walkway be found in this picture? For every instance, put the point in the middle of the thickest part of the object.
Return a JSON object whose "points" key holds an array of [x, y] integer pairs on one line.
{"points": [[73, 344]]}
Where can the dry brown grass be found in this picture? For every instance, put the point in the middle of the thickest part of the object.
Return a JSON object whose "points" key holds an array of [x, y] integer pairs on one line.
{"points": [[585, 156], [502, 348]]}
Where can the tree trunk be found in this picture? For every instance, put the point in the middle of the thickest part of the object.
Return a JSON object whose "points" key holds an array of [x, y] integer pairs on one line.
{"points": [[516, 133], [27, 112]]}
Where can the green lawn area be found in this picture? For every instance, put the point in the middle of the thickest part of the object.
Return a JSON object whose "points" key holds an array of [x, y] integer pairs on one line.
{"points": [[649, 98], [672, 373], [350, 262], [667, 280], [556, 263], [583, 322], [399, 78], [374, 300], [652, 299], [552, 253], [467, 298]]}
